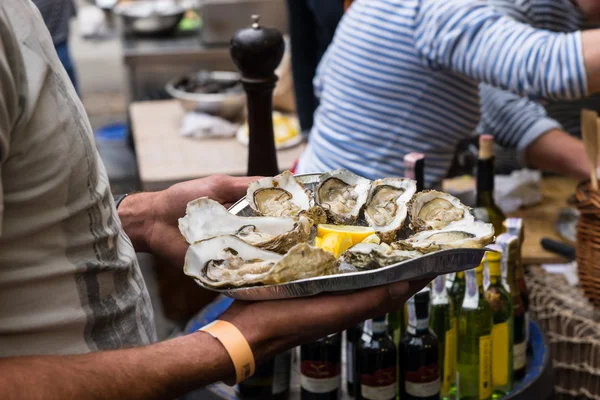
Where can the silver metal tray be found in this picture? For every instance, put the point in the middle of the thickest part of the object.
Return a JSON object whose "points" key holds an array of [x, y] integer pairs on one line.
{"points": [[425, 267]]}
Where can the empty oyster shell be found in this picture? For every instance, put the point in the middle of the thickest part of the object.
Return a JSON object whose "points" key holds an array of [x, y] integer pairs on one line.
{"points": [[372, 256], [386, 207], [437, 210], [227, 261], [281, 196], [477, 234], [206, 218], [342, 195]]}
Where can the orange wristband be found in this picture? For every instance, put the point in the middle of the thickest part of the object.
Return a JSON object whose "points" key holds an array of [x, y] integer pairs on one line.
{"points": [[236, 345]]}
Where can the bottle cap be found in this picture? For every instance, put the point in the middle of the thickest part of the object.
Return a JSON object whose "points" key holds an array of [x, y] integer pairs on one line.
{"points": [[486, 147]]}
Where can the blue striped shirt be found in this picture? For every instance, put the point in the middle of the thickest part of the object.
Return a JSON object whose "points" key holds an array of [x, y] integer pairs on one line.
{"points": [[402, 76], [516, 121]]}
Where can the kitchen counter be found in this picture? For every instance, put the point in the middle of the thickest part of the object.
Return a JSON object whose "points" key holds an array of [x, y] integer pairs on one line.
{"points": [[164, 157]]}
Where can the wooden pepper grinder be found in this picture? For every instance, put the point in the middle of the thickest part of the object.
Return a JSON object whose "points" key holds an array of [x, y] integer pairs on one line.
{"points": [[257, 52]]}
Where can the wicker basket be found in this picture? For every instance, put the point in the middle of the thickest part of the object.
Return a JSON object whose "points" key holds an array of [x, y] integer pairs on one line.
{"points": [[588, 241]]}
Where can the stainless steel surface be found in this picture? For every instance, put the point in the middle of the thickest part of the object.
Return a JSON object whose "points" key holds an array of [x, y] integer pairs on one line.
{"points": [[425, 267], [222, 18], [226, 105], [146, 18]]}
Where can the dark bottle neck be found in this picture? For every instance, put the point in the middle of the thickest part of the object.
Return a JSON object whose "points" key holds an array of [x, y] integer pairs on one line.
{"points": [[416, 171], [378, 327], [418, 319], [485, 181]]}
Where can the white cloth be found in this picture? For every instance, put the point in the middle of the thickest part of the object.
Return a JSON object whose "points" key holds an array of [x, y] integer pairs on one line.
{"points": [[69, 278], [202, 125]]}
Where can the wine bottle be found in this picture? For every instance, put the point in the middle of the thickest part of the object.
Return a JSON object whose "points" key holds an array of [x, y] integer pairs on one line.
{"points": [[320, 368], [271, 380], [414, 168], [475, 341], [515, 226], [485, 206], [443, 324], [497, 293], [419, 355], [352, 340], [396, 328], [510, 249], [376, 362], [457, 291]]}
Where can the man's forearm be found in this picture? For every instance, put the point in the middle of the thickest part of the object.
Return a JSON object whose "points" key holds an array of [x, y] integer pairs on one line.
{"points": [[137, 214], [591, 56], [557, 151], [161, 371]]}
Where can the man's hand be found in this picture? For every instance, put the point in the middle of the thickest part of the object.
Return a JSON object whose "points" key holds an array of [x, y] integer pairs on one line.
{"points": [[151, 219]]}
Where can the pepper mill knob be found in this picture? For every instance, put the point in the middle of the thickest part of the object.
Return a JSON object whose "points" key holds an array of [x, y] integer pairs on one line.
{"points": [[257, 52]]}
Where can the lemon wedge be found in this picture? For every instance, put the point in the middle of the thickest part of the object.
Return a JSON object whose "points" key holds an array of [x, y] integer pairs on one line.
{"points": [[318, 241], [372, 239], [336, 242], [357, 233]]}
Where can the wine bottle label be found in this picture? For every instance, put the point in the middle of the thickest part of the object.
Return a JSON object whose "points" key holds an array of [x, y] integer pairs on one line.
{"points": [[350, 362], [281, 372], [486, 275], [319, 376], [449, 356], [378, 393], [379, 327], [519, 355], [381, 385], [471, 299], [485, 367], [500, 361], [424, 382]]}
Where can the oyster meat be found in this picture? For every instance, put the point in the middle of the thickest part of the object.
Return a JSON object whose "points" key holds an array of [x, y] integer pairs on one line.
{"points": [[281, 196], [437, 210], [365, 256], [476, 234], [206, 218], [342, 195], [386, 208], [227, 261]]}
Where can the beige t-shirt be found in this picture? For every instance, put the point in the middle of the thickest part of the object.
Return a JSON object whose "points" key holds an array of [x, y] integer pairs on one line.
{"points": [[69, 278]]}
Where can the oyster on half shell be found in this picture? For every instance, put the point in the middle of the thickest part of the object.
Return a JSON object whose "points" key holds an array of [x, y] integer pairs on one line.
{"points": [[476, 234], [342, 195], [386, 208], [437, 210], [280, 196], [227, 261], [206, 218], [365, 256]]}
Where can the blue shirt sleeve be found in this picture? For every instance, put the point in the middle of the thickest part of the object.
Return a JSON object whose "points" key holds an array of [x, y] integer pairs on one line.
{"points": [[515, 121], [472, 38]]}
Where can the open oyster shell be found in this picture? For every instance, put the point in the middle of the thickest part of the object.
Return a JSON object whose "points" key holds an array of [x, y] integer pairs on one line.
{"points": [[476, 234], [366, 256], [227, 261], [386, 208], [342, 195], [280, 196], [437, 210], [206, 218]]}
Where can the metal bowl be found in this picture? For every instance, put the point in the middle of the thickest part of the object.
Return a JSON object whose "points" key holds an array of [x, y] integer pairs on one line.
{"points": [[226, 105], [149, 18]]}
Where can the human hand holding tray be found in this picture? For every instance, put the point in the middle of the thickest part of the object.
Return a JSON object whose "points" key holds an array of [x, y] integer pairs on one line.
{"points": [[461, 231]]}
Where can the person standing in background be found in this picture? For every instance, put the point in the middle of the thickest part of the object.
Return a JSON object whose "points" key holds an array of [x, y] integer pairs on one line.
{"points": [[520, 121], [312, 24], [57, 15]]}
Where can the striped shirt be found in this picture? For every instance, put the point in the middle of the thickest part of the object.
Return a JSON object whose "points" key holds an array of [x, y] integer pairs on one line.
{"points": [[402, 76], [518, 121]]}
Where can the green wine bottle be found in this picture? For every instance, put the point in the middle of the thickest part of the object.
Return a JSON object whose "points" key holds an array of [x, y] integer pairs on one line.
{"points": [[510, 249], [443, 324], [485, 206], [396, 328], [457, 291], [475, 341], [515, 226], [497, 293]]}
